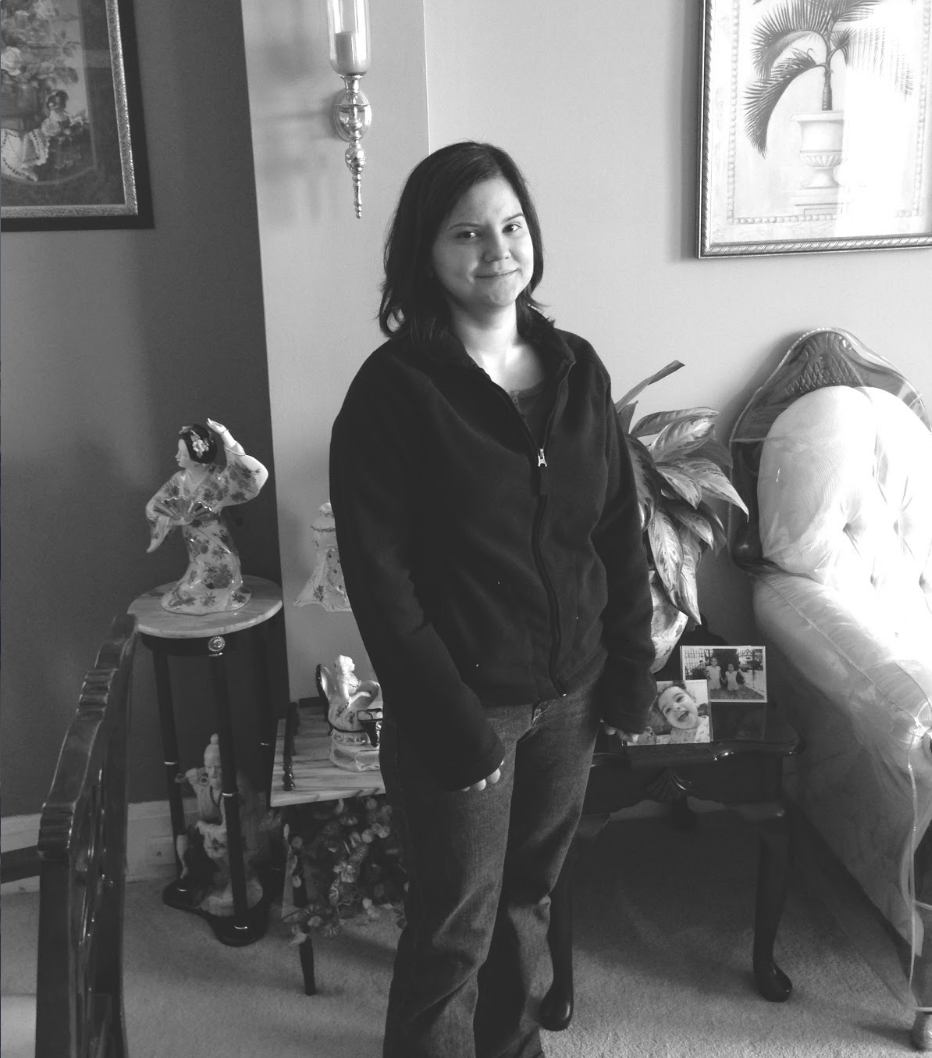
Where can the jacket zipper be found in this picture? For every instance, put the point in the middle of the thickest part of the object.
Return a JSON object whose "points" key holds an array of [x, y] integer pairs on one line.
{"points": [[543, 493]]}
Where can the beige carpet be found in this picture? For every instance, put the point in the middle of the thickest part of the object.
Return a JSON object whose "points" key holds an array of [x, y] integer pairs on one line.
{"points": [[663, 931]]}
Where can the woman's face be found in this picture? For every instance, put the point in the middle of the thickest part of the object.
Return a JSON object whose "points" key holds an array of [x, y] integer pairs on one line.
{"points": [[483, 256], [678, 708]]}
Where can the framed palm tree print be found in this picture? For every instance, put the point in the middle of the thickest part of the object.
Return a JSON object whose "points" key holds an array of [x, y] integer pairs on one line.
{"points": [[815, 126]]}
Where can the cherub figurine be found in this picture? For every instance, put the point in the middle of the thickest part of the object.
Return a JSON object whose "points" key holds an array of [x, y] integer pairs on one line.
{"points": [[193, 498], [214, 887], [354, 710]]}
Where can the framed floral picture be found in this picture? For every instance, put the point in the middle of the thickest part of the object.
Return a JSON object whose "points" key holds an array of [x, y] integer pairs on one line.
{"points": [[73, 148], [815, 126]]}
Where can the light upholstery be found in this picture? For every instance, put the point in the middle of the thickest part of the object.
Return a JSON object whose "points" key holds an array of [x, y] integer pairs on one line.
{"points": [[845, 498], [835, 454]]}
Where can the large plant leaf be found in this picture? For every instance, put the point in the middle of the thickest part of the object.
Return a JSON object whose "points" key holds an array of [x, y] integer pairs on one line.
{"points": [[656, 421], [683, 435], [647, 481], [714, 449], [674, 365], [695, 523], [686, 596], [666, 549], [713, 481], [682, 483], [720, 537], [762, 96]]}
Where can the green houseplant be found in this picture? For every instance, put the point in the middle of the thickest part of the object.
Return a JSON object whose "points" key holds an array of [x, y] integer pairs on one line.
{"points": [[680, 469], [797, 36]]}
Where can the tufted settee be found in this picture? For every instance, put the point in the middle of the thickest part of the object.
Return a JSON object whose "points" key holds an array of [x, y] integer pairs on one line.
{"points": [[833, 455]]}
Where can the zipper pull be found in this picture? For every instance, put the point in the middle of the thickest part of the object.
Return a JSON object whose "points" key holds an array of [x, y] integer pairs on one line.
{"points": [[541, 458], [541, 472]]}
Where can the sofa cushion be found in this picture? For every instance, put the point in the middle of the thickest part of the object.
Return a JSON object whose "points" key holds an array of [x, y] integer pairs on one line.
{"points": [[845, 494]]}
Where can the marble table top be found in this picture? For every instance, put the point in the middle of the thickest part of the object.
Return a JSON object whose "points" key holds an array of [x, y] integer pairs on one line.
{"points": [[155, 620], [315, 777]]}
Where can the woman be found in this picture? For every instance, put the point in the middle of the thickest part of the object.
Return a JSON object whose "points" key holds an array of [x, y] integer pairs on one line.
{"points": [[489, 533], [194, 499]]}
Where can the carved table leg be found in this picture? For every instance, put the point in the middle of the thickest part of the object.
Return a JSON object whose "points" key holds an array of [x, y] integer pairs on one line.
{"points": [[556, 1009], [769, 819]]}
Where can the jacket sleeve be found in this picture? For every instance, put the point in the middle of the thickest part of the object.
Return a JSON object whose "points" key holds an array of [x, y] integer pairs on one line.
{"points": [[627, 688], [374, 491]]}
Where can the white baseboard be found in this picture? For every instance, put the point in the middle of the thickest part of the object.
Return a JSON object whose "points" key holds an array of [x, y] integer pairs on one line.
{"points": [[149, 852]]}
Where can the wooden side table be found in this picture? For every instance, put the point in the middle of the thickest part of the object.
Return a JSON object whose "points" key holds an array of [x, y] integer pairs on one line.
{"points": [[304, 774], [214, 637], [741, 769]]}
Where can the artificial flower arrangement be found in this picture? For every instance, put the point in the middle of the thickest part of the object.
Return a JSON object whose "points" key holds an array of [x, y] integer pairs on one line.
{"points": [[344, 859]]}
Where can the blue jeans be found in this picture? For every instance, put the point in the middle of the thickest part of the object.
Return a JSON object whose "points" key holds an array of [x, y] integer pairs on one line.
{"points": [[481, 866]]}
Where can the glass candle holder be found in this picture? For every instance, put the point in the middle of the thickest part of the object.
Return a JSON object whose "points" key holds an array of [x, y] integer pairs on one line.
{"points": [[349, 36]]}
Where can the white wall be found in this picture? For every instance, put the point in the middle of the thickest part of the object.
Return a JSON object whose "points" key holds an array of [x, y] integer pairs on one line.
{"points": [[321, 266], [598, 103]]}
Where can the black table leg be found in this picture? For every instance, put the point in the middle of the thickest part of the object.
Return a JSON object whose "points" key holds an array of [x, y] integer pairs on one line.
{"points": [[169, 749], [245, 927], [268, 716], [769, 819]]}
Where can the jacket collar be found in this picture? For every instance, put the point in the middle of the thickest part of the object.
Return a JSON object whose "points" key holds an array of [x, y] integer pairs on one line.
{"points": [[546, 338]]}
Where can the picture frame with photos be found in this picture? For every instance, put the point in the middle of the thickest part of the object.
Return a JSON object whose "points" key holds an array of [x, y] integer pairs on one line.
{"points": [[680, 714], [733, 673]]}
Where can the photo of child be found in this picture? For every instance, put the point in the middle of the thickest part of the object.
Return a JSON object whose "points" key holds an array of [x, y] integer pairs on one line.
{"points": [[733, 673], [680, 713]]}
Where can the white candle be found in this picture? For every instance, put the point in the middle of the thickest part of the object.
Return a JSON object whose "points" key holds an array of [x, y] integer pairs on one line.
{"points": [[350, 52]]}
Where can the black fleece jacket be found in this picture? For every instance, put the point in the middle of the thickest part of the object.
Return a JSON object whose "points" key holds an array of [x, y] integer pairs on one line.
{"points": [[481, 568]]}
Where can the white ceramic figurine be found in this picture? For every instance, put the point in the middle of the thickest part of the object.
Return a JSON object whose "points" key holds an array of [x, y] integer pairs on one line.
{"points": [[194, 498]]}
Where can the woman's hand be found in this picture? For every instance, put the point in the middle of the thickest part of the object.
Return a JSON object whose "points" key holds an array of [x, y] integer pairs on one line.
{"points": [[217, 428], [626, 736], [489, 780]]}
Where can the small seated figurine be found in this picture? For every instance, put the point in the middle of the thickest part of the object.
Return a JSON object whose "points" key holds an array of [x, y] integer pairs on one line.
{"points": [[194, 499], [211, 876], [354, 710]]}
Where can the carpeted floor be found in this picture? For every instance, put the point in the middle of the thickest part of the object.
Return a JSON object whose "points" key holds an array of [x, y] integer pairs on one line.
{"points": [[663, 923]]}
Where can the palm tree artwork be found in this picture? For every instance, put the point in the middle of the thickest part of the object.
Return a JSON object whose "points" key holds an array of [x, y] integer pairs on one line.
{"points": [[795, 38]]}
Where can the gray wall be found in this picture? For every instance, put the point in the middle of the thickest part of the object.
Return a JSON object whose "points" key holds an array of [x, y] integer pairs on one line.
{"points": [[112, 341]]}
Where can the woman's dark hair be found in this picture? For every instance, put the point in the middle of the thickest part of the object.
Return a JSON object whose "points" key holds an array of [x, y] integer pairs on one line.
{"points": [[412, 300], [200, 442], [59, 96]]}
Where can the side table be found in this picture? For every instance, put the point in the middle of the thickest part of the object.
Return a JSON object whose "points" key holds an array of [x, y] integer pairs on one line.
{"points": [[304, 774], [214, 637], [741, 769]]}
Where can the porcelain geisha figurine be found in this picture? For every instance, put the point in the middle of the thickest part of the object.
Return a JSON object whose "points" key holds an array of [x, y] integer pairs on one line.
{"points": [[354, 710], [194, 499]]}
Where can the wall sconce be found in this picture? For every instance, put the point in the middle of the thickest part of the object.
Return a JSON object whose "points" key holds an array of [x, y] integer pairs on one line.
{"points": [[349, 56]]}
